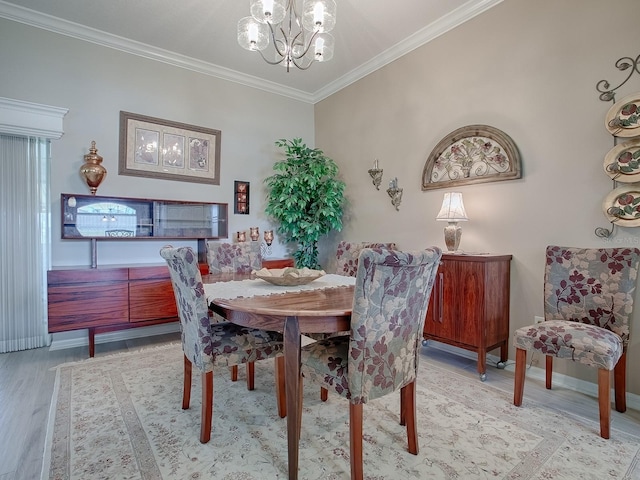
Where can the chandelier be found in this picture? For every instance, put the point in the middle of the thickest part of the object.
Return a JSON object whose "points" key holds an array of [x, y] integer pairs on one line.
{"points": [[297, 40]]}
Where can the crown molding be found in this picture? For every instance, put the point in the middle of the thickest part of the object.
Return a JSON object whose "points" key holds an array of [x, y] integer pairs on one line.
{"points": [[98, 37], [432, 31], [31, 119], [81, 32]]}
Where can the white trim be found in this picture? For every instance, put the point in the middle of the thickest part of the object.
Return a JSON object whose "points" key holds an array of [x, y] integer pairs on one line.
{"points": [[536, 373], [31, 119], [432, 31], [458, 16], [127, 334]]}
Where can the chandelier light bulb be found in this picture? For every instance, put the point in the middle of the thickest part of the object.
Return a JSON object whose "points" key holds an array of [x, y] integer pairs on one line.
{"points": [[268, 11], [319, 15], [267, 7], [323, 47], [252, 35]]}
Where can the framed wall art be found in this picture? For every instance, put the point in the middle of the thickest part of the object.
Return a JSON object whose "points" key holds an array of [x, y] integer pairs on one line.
{"points": [[156, 148], [472, 154], [241, 198]]}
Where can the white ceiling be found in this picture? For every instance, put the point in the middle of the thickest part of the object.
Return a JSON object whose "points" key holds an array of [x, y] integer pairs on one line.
{"points": [[201, 35]]}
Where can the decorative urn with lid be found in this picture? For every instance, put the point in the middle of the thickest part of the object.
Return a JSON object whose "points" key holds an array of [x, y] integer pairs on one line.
{"points": [[92, 170]]}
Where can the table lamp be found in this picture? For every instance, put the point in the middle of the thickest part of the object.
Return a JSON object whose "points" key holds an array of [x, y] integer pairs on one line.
{"points": [[452, 211]]}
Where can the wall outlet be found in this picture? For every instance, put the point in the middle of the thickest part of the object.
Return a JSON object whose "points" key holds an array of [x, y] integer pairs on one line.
{"points": [[537, 319]]}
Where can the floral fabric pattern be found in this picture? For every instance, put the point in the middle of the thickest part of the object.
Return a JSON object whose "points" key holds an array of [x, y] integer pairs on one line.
{"points": [[390, 303], [233, 257], [204, 343], [588, 301], [348, 252]]}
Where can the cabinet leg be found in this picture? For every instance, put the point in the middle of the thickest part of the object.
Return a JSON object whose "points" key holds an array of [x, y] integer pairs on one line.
{"points": [[92, 341], [503, 356], [482, 364]]}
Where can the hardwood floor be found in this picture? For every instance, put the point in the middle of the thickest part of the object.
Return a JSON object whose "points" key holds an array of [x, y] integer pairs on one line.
{"points": [[26, 385], [27, 382]]}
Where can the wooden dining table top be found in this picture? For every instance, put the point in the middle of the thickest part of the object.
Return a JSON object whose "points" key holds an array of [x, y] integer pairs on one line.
{"points": [[323, 310]]}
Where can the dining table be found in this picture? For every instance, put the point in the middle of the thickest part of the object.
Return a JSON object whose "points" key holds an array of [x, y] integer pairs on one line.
{"points": [[322, 306]]}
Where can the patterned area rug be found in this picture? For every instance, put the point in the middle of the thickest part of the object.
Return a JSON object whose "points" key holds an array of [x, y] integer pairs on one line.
{"points": [[120, 417]]}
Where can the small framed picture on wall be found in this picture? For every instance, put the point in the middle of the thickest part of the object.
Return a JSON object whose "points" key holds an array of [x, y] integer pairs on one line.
{"points": [[241, 198]]}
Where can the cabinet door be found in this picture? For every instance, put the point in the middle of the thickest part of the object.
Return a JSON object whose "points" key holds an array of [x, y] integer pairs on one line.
{"points": [[151, 294], [434, 324], [455, 307], [464, 293]]}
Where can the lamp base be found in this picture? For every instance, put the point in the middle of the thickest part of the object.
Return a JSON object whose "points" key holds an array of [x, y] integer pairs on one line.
{"points": [[452, 234]]}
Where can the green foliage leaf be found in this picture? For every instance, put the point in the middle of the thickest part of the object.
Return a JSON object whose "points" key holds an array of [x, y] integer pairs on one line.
{"points": [[305, 198]]}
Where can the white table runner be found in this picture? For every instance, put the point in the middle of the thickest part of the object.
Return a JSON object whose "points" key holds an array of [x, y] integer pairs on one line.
{"points": [[257, 287]]}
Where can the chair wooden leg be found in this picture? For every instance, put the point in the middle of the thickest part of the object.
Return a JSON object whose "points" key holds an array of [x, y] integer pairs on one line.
{"points": [[281, 392], [620, 383], [548, 371], [251, 375], [518, 387], [604, 401], [186, 388], [355, 441], [207, 407], [408, 399], [403, 408], [324, 394], [234, 373]]}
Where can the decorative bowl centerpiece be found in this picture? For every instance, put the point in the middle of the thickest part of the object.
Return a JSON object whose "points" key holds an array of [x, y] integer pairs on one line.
{"points": [[288, 276]]}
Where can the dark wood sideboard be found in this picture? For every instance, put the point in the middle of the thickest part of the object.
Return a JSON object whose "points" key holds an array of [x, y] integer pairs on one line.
{"points": [[469, 305], [111, 297]]}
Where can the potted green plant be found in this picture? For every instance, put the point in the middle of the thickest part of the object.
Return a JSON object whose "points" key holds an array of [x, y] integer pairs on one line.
{"points": [[305, 198]]}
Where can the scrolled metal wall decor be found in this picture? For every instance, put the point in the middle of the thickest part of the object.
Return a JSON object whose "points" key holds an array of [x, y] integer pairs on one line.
{"points": [[622, 160], [472, 154]]}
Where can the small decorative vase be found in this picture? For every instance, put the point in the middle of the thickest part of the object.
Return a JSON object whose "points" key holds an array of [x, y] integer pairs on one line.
{"points": [[92, 171]]}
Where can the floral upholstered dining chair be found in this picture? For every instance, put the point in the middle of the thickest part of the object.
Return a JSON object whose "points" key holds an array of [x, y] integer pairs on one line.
{"points": [[240, 257], [347, 255], [207, 345], [588, 302], [381, 354]]}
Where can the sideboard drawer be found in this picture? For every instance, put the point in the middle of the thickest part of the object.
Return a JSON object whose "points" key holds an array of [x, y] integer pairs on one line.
{"points": [[151, 299], [78, 306]]}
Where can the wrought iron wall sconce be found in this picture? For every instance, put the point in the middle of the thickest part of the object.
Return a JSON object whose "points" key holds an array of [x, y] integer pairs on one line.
{"points": [[254, 233], [395, 193], [242, 236], [265, 247], [376, 174]]}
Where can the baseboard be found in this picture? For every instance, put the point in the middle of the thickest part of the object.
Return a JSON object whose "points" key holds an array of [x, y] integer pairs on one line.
{"points": [[560, 380], [83, 339]]}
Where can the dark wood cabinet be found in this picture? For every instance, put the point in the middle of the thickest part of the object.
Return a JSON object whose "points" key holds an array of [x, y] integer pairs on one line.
{"points": [[469, 305], [110, 298], [277, 262]]}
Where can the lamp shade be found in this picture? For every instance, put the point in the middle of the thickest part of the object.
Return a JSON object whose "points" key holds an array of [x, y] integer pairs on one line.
{"points": [[452, 209]]}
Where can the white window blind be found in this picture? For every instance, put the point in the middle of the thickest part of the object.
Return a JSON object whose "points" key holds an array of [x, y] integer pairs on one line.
{"points": [[24, 242]]}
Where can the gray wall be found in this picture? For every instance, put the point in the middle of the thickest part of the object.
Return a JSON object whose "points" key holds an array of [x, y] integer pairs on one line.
{"points": [[95, 83], [529, 69]]}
